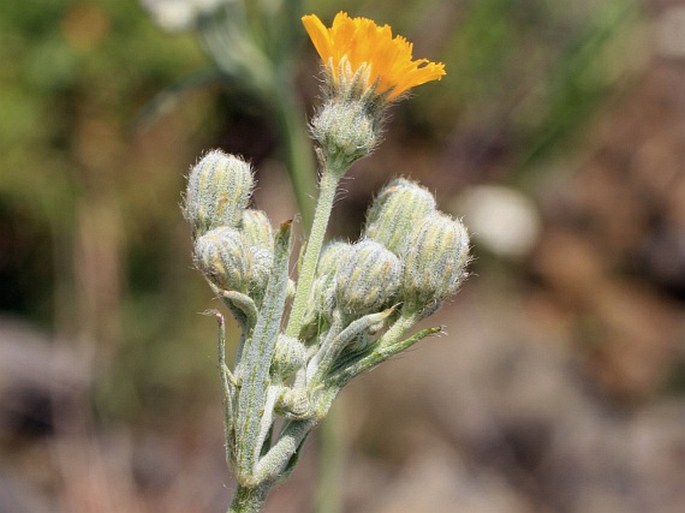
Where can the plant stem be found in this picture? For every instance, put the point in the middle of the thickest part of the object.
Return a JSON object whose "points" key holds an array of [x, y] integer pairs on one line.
{"points": [[327, 188], [407, 319], [297, 150], [249, 500], [328, 492]]}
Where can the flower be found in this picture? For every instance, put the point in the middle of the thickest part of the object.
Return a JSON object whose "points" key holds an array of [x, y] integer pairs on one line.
{"points": [[358, 46], [179, 15]]}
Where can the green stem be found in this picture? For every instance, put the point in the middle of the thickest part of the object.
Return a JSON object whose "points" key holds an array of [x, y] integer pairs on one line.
{"points": [[407, 319], [227, 390], [379, 355], [327, 188], [297, 150], [249, 500], [328, 492]]}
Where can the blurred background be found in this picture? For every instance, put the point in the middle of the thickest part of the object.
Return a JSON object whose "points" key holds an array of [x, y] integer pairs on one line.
{"points": [[559, 136]]}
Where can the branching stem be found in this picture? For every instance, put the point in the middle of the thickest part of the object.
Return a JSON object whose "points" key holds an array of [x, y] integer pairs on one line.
{"points": [[249, 500]]}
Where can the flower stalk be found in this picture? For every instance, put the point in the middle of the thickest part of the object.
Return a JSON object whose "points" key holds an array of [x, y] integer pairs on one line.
{"points": [[248, 500], [327, 189]]}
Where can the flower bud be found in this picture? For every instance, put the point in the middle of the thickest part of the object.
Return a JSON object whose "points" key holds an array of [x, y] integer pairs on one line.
{"points": [[290, 354], [220, 256], [333, 256], [322, 299], [219, 188], [435, 261], [257, 230], [396, 211], [294, 403], [259, 265], [346, 130], [258, 239], [368, 280]]}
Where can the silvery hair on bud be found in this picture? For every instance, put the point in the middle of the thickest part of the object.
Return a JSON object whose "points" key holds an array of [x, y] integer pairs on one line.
{"points": [[219, 189]]}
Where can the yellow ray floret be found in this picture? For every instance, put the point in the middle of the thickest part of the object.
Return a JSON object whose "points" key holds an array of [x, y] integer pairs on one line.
{"points": [[360, 43]]}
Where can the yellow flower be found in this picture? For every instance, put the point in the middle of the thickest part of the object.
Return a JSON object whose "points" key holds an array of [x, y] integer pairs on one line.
{"points": [[354, 45]]}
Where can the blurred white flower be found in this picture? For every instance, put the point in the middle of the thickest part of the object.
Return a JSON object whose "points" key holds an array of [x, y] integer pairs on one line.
{"points": [[670, 32], [502, 219], [178, 15]]}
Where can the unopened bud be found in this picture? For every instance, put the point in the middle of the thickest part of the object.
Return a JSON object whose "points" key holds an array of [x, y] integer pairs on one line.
{"points": [[257, 230], [289, 356], [396, 212], [294, 403], [333, 256], [219, 188], [322, 298], [346, 130], [258, 239], [435, 261], [220, 255], [259, 265], [369, 279]]}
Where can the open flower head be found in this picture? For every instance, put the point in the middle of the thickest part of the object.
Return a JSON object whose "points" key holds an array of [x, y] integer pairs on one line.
{"points": [[357, 47]]}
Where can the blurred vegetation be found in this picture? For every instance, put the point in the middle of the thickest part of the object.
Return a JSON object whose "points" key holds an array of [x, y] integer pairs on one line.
{"points": [[82, 192]]}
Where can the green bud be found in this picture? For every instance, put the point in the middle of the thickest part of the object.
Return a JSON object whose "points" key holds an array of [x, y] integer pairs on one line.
{"points": [[219, 189], [257, 229], [259, 264], [368, 280], [258, 239], [346, 130], [220, 256], [322, 299], [333, 256], [290, 354], [396, 211], [294, 403], [435, 261]]}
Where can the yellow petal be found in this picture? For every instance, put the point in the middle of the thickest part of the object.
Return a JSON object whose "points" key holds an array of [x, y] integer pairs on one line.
{"points": [[360, 42], [319, 35]]}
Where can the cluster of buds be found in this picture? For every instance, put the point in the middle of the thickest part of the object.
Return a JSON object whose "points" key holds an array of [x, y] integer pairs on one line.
{"points": [[363, 299], [410, 255], [367, 294], [233, 243]]}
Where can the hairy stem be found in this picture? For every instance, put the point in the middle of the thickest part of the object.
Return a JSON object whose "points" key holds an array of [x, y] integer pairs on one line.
{"points": [[249, 500], [328, 491], [327, 188]]}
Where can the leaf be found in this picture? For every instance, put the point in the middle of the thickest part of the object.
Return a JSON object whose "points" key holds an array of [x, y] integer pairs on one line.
{"points": [[256, 360]]}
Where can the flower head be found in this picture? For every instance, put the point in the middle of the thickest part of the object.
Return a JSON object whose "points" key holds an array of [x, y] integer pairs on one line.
{"points": [[357, 47]]}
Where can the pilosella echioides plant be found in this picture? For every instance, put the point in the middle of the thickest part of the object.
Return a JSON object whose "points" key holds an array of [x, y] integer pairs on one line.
{"points": [[354, 304]]}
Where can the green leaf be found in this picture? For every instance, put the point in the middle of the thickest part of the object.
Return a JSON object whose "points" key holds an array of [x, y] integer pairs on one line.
{"points": [[258, 354]]}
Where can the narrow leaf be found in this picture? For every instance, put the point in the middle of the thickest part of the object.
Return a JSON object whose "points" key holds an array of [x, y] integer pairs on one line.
{"points": [[378, 355], [258, 355]]}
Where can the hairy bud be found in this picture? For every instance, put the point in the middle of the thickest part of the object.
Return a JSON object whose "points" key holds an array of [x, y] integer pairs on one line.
{"points": [[369, 279], [257, 230], [259, 240], [259, 265], [322, 299], [333, 256], [289, 356], [345, 130], [219, 188], [220, 256], [435, 261], [396, 211], [294, 403]]}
